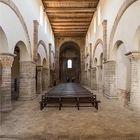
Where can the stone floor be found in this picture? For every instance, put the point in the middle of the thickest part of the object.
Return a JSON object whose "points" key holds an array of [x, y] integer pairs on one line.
{"points": [[110, 122]]}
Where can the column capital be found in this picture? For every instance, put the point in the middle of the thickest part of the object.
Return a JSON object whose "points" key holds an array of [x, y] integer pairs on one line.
{"points": [[36, 23], [93, 68], [39, 68], [104, 23], [45, 68], [133, 55], [7, 59], [99, 66]]}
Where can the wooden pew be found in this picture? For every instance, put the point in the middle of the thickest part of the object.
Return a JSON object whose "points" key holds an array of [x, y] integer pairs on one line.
{"points": [[78, 101]]}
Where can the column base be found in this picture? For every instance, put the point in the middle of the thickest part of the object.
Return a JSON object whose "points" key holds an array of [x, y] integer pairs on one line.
{"points": [[6, 109], [27, 98], [134, 108], [109, 96]]}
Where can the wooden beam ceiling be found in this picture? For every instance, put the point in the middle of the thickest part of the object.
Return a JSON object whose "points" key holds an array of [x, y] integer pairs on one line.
{"points": [[70, 17]]}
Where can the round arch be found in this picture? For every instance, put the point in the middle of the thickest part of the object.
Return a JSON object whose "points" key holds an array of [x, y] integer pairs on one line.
{"points": [[99, 41], [11, 4], [44, 64], [24, 54], [42, 44], [3, 42], [69, 50], [122, 71], [115, 48], [64, 44], [69, 40], [122, 10], [38, 60]]}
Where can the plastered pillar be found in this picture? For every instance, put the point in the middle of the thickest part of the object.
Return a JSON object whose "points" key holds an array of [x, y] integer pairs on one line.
{"points": [[35, 39], [99, 77], [104, 24], [45, 78], [134, 86], [39, 79], [109, 87], [6, 62], [93, 79], [27, 84]]}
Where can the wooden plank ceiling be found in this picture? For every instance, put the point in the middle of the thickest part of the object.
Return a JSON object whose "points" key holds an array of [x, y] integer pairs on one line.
{"points": [[70, 17]]}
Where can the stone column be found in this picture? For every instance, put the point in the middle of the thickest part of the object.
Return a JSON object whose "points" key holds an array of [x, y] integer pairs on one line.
{"points": [[35, 39], [39, 79], [104, 24], [93, 77], [90, 63], [27, 85], [109, 88], [50, 65], [6, 61], [89, 78], [99, 77], [134, 86], [45, 78]]}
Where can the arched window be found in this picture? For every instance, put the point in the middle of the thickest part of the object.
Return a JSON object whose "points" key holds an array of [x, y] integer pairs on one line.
{"points": [[69, 64]]}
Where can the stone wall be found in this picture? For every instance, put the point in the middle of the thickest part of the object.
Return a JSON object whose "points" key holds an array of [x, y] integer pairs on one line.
{"points": [[109, 88], [27, 88], [80, 41]]}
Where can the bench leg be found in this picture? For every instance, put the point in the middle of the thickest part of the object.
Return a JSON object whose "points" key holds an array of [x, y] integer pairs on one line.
{"points": [[41, 105], [96, 105], [60, 103], [77, 103]]}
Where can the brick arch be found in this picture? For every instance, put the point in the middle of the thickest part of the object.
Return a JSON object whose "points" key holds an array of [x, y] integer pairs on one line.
{"points": [[41, 42], [76, 41], [99, 41], [70, 42], [115, 48], [15, 9], [122, 10]]}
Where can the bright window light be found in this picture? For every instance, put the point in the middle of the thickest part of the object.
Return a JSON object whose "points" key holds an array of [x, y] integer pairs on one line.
{"points": [[69, 64]]}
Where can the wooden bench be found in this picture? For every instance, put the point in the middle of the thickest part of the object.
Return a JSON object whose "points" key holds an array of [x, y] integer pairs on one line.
{"points": [[71, 101]]}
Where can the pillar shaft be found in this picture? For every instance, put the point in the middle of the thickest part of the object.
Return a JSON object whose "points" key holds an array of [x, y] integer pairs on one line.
{"points": [[6, 61], [27, 85], [99, 77], [35, 39], [109, 88], [104, 24], [39, 79], [134, 86], [94, 80], [45, 78]]}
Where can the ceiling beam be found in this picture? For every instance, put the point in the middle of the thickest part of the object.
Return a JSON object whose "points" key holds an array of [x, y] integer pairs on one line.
{"points": [[58, 1], [56, 19], [69, 27], [73, 15], [70, 30], [70, 10], [70, 24]]}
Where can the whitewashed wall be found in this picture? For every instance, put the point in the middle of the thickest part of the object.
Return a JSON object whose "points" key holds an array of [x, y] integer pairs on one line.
{"points": [[11, 25]]}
